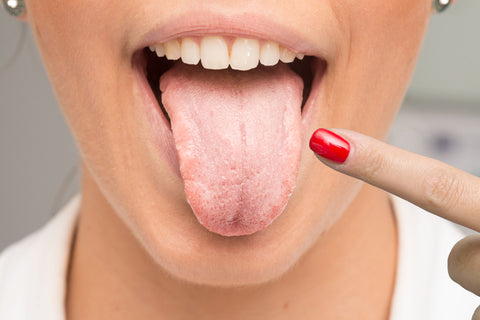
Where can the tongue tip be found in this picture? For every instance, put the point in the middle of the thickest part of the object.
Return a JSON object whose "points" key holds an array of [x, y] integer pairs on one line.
{"points": [[236, 226], [240, 218]]}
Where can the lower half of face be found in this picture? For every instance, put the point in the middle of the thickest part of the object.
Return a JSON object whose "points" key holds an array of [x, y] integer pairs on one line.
{"points": [[194, 120]]}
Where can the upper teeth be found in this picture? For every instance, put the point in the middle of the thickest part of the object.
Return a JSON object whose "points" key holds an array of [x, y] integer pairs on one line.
{"points": [[214, 53]]}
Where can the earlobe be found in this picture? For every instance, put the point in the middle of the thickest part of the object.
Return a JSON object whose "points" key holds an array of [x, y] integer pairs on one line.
{"points": [[441, 5], [16, 8]]}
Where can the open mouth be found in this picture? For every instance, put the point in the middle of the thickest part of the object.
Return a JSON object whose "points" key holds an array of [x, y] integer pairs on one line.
{"points": [[159, 58], [233, 108]]}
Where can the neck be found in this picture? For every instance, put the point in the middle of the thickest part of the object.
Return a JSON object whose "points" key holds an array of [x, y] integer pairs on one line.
{"points": [[349, 273]]}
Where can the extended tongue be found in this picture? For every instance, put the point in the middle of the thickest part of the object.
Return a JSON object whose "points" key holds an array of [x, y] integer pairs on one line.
{"points": [[237, 136]]}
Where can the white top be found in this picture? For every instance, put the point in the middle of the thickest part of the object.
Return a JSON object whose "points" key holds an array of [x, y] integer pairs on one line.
{"points": [[33, 271]]}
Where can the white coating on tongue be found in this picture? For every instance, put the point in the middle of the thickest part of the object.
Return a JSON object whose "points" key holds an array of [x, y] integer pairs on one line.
{"points": [[237, 136]]}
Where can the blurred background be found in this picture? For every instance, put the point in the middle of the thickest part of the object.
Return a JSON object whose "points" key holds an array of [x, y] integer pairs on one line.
{"points": [[39, 163]]}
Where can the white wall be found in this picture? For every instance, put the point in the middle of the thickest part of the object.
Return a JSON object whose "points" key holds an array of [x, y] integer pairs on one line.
{"points": [[36, 149], [449, 65]]}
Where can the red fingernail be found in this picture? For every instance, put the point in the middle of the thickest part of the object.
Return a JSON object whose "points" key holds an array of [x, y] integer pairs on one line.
{"points": [[329, 145]]}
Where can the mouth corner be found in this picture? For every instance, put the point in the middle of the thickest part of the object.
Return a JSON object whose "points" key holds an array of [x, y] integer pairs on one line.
{"points": [[150, 68]]}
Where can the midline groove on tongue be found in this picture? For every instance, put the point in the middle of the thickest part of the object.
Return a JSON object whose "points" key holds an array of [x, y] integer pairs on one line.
{"points": [[237, 136]]}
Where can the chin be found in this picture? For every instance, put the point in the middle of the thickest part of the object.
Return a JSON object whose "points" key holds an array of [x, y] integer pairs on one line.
{"points": [[203, 258]]}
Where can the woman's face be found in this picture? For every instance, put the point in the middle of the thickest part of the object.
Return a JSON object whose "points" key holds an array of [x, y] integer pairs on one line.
{"points": [[364, 53]]}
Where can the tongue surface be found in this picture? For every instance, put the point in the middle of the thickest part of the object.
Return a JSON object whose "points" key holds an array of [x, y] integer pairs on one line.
{"points": [[237, 136]]}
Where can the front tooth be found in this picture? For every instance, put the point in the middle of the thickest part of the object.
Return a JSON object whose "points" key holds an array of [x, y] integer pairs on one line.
{"points": [[214, 53], [286, 55], [270, 53], [160, 50], [245, 54], [190, 51], [172, 49], [300, 56]]}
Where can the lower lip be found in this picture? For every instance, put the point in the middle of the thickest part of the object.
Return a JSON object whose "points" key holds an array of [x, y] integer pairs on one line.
{"points": [[160, 129]]}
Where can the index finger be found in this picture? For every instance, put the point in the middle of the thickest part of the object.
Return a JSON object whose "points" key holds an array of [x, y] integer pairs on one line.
{"points": [[433, 185]]}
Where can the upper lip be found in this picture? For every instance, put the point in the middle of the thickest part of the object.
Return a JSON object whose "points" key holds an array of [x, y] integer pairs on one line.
{"points": [[255, 25]]}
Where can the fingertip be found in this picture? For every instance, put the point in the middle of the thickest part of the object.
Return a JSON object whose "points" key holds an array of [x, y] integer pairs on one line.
{"points": [[464, 263], [329, 145]]}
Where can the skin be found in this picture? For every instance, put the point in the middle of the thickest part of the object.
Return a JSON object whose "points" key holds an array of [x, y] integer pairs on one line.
{"points": [[139, 253]]}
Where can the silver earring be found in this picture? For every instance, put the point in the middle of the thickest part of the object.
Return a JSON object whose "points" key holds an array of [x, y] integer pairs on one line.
{"points": [[14, 7], [441, 5]]}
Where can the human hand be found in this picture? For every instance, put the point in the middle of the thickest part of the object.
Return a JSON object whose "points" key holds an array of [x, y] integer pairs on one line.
{"points": [[430, 184]]}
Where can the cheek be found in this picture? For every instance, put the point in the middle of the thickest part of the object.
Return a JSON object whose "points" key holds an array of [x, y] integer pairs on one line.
{"points": [[81, 56], [76, 37], [379, 51]]}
